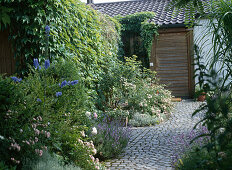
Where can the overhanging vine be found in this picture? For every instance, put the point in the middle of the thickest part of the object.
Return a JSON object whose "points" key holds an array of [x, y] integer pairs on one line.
{"points": [[137, 35]]}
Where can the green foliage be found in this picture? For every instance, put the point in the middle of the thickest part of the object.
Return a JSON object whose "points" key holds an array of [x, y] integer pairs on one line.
{"points": [[77, 32], [4, 17], [7, 90], [48, 161], [143, 120], [138, 28], [203, 159], [5, 167]]}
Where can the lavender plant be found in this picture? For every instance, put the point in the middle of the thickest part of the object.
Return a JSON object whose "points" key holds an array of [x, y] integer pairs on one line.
{"points": [[187, 143], [112, 137]]}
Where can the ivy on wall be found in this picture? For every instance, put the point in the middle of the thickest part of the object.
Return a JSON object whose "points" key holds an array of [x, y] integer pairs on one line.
{"points": [[137, 35], [77, 32]]}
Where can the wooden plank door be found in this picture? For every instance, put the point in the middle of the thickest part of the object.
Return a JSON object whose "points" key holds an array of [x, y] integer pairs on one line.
{"points": [[171, 61]]}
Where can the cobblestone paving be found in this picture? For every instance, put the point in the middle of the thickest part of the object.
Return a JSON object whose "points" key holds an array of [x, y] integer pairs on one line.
{"points": [[150, 147]]}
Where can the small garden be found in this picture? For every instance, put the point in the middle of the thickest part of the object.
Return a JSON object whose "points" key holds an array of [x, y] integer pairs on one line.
{"points": [[74, 97]]}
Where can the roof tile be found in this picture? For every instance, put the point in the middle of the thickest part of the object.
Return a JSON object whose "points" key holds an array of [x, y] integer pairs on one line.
{"points": [[159, 7]]}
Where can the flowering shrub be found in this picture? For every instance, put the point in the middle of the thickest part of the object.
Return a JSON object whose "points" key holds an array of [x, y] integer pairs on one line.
{"points": [[23, 133], [47, 111], [126, 90]]}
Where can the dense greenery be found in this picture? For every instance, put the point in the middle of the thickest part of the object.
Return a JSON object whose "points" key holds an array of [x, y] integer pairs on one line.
{"points": [[56, 108], [77, 32], [141, 31]]}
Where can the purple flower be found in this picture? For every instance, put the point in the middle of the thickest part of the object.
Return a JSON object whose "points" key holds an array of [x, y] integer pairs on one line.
{"points": [[58, 94], [15, 79], [36, 63], [74, 82], [64, 83], [47, 30], [47, 64], [39, 100]]}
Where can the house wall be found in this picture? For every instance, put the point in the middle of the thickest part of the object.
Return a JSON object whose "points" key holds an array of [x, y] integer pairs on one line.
{"points": [[203, 38]]}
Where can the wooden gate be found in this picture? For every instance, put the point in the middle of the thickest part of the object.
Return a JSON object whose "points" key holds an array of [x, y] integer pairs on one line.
{"points": [[171, 57]]}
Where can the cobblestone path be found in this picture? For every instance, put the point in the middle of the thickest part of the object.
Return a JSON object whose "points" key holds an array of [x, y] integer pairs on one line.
{"points": [[149, 147]]}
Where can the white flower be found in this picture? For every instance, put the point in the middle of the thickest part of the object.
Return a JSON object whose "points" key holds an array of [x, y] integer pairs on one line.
{"points": [[1, 137], [149, 96], [82, 133], [88, 114], [94, 151], [94, 131]]}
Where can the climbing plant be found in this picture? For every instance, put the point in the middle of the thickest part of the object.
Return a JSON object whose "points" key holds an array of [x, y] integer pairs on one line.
{"points": [[137, 35], [77, 31]]}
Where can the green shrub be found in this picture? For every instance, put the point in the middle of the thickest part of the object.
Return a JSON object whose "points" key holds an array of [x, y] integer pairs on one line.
{"points": [[49, 110], [127, 89]]}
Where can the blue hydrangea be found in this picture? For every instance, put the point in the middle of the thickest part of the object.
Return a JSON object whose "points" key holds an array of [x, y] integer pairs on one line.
{"points": [[15, 79], [47, 64], [74, 82], [47, 30], [58, 94], [64, 83], [39, 100]]}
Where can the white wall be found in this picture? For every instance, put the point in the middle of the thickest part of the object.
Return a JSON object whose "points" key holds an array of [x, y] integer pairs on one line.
{"points": [[203, 38]]}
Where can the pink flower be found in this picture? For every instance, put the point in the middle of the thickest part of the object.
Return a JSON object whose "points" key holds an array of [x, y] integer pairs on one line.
{"points": [[36, 139], [17, 162], [37, 151], [97, 167], [18, 148], [97, 160], [37, 132], [40, 118], [48, 134], [40, 152], [27, 142], [91, 156], [12, 159], [95, 115]]}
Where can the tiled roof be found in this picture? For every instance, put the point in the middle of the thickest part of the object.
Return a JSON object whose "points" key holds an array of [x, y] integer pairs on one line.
{"points": [[163, 16]]}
